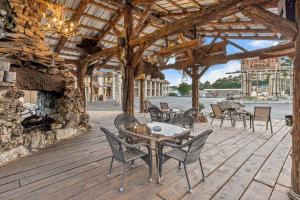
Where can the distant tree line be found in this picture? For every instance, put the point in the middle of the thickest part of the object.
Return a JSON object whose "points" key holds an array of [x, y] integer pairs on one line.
{"points": [[230, 82]]}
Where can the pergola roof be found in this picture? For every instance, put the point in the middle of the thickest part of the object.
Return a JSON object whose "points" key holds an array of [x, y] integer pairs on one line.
{"points": [[103, 20]]}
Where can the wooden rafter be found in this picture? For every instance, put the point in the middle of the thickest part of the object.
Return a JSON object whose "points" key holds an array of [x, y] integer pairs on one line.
{"points": [[202, 17], [75, 17], [283, 26]]}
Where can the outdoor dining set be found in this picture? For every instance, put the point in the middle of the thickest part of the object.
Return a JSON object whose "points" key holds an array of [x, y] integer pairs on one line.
{"points": [[169, 136]]}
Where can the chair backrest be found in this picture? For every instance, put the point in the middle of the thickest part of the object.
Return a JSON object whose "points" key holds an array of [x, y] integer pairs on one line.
{"points": [[147, 105], [216, 110], [115, 145], [192, 112], [125, 120], [262, 113], [184, 120], [195, 147], [155, 113], [164, 105]]}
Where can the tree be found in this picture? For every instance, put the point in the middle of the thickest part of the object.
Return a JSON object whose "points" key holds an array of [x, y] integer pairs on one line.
{"points": [[184, 89]]}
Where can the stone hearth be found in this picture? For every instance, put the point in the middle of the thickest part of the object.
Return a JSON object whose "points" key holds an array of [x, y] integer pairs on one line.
{"points": [[36, 68]]}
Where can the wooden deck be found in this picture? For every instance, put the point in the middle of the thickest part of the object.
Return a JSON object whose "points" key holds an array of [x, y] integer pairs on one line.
{"points": [[238, 164]]}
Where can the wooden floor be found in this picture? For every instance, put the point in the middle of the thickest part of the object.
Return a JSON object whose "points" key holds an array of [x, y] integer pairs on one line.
{"points": [[238, 164]]}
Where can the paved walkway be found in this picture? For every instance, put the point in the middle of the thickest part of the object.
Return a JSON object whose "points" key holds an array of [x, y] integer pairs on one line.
{"points": [[238, 164]]}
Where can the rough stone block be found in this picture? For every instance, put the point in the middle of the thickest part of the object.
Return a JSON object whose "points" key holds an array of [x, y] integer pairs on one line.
{"points": [[62, 134]]}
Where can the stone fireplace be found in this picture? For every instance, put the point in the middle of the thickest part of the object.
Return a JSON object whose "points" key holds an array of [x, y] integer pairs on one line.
{"points": [[60, 107]]}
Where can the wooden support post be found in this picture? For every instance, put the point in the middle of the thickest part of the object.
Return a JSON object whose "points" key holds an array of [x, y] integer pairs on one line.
{"points": [[81, 72], [128, 79], [195, 89], [295, 189], [92, 89], [142, 95]]}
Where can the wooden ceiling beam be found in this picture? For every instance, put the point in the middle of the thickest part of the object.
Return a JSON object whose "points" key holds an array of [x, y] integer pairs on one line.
{"points": [[274, 22], [111, 25], [75, 17], [200, 18], [236, 31], [140, 26]]}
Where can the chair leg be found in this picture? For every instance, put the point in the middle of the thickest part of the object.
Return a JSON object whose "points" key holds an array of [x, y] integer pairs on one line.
{"points": [[179, 165], [271, 127], [222, 120], [212, 120], [252, 125], [123, 177], [201, 168], [187, 178], [110, 168], [267, 124]]}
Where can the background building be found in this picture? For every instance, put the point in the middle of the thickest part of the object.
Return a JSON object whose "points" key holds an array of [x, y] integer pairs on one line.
{"points": [[272, 77], [107, 85]]}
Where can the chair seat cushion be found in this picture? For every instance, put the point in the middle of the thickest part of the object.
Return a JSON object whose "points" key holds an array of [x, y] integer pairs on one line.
{"points": [[132, 154], [177, 154]]}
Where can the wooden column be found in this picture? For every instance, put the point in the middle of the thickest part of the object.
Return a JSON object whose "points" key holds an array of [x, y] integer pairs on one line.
{"points": [[295, 189], [128, 79], [142, 95], [195, 88], [81, 72], [92, 89]]}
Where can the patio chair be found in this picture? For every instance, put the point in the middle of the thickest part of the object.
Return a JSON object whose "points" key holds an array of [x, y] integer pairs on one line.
{"points": [[217, 113], [147, 105], [126, 154], [157, 115], [126, 121], [186, 154], [262, 114], [184, 120], [192, 112], [164, 106]]}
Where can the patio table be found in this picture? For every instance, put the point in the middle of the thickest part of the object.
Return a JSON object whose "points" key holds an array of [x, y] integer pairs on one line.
{"points": [[167, 132]]}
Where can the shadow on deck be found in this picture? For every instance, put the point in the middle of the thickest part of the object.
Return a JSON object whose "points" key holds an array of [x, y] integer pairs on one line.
{"points": [[238, 164]]}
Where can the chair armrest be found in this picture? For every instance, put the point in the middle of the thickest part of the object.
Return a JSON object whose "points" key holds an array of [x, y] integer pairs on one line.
{"points": [[126, 144]]}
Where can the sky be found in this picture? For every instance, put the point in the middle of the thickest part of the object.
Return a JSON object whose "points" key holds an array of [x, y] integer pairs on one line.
{"points": [[218, 71]]}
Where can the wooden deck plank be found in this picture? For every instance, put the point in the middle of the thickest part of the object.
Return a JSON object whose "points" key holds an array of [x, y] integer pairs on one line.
{"points": [[257, 191], [285, 174], [212, 164], [270, 171], [280, 193], [240, 181], [76, 168]]}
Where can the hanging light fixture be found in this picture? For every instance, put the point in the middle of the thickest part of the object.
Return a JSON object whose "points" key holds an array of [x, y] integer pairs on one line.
{"points": [[54, 20]]}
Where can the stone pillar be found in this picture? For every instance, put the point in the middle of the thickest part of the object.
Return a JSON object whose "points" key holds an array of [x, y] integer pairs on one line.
{"points": [[150, 82], [155, 89], [159, 86], [145, 83]]}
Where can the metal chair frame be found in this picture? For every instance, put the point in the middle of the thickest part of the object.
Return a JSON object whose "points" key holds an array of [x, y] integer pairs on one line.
{"points": [[157, 115], [126, 154], [267, 120], [186, 157]]}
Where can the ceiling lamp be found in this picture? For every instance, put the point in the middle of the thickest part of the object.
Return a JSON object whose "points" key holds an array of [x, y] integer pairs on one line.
{"points": [[54, 20]]}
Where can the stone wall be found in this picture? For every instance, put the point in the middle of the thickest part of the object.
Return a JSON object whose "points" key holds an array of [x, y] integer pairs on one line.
{"points": [[37, 68]]}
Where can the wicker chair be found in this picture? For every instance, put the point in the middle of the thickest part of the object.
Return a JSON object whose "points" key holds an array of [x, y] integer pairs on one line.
{"points": [[164, 106], [183, 155], [126, 154], [184, 120], [192, 112], [147, 104], [262, 114], [125, 121], [157, 115]]}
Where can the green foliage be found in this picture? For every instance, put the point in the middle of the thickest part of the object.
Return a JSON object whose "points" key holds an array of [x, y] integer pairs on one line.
{"points": [[184, 89], [230, 82], [173, 94], [201, 106]]}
